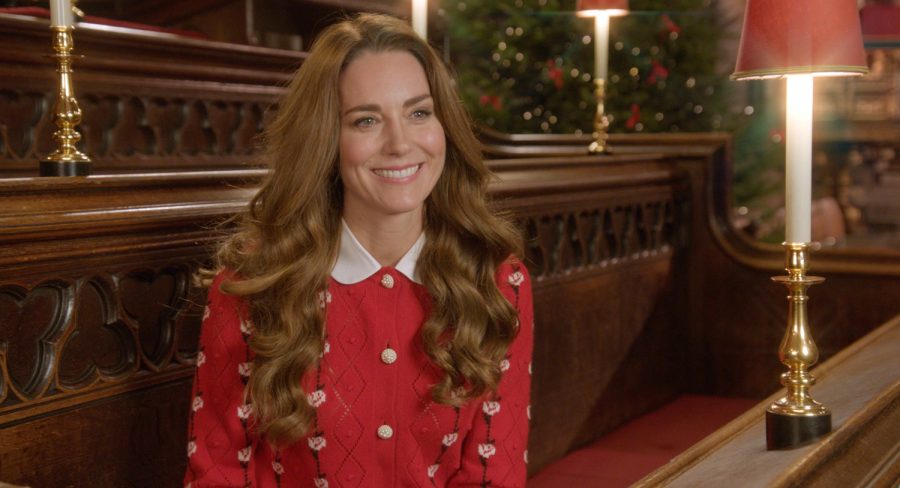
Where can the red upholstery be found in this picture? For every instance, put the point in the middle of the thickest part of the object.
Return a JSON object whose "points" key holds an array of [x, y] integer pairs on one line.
{"points": [[637, 448]]}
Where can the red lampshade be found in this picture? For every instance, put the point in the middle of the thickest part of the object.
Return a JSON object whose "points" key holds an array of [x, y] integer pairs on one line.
{"points": [[588, 8], [783, 37], [880, 22]]}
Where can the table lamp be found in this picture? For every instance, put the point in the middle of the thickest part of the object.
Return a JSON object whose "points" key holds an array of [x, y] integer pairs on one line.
{"points": [[420, 17], [601, 11], [798, 40]]}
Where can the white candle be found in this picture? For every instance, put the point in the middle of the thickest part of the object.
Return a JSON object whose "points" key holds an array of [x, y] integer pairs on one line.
{"points": [[601, 45], [798, 158], [420, 17], [61, 13]]}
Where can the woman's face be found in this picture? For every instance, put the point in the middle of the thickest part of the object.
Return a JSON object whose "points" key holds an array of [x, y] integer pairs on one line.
{"points": [[392, 145]]}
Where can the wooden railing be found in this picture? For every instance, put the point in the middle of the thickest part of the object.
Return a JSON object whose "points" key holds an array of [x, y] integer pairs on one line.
{"points": [[735, 315], [99, 322], [861, 388], [150, 101]]}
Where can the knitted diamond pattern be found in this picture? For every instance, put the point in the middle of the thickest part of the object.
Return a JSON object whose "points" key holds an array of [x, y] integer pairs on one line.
{"points": [[430, 445]]}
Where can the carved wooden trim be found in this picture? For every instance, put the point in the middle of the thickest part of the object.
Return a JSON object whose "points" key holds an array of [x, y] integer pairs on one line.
{"points": [[600, 235], [606, 211], [95, 282], [49, 208], [142, 111], [151, 53], [98, 332], [711, 156], [136, 131], [82, 232]]}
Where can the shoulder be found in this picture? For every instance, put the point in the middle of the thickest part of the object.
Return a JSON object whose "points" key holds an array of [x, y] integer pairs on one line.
{"points": [[222, 277], [514, 282], [512, 273], [224, 311]]}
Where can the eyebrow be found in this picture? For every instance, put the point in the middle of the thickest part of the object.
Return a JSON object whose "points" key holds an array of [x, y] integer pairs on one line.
{"points": [[375, 107]]}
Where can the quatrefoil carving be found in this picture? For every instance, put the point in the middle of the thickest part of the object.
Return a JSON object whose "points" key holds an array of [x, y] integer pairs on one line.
{"points": [[31, 324], [151, 301], [189, 323], [24, 107], [100, 345]]}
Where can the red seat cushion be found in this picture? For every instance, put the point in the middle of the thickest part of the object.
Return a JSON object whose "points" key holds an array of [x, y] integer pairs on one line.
{"points": [[635, 449]]}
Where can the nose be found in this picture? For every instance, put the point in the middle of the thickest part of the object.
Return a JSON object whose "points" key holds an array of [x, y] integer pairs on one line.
{"points": [[396, 138]]}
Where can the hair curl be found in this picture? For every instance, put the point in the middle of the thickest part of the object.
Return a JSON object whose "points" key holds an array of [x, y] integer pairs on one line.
{"points": [[286, 243]]}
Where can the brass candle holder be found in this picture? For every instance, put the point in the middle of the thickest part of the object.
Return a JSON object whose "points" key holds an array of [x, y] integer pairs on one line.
{"points": [[796, 418], [66, 160], [601, 122]]}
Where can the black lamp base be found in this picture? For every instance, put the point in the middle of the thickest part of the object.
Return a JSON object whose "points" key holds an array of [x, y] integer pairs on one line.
{"points": [[65, 168], [789, 431]]}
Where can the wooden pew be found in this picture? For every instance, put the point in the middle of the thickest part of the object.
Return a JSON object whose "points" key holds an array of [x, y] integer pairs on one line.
{"points": [[731, 317], [643, 290], [734, 313], [100, 317], [99, 322], [604, 241]]}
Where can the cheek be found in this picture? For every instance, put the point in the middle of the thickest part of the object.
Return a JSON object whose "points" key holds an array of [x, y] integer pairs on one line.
{"points": [[436, 142], [353, 153]]}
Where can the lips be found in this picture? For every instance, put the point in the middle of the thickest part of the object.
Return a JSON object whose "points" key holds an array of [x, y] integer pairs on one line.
{"points": [[398, 174]]}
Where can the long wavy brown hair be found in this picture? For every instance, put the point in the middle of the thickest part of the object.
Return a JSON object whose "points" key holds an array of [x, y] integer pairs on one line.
{"points": [[287, 242]]}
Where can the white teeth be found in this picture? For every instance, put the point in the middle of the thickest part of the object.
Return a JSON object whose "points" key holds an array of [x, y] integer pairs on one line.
{"points": [[397, 173]]}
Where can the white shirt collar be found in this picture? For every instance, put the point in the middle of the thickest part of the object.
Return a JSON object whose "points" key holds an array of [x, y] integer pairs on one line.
{"points": [[355, 264]]}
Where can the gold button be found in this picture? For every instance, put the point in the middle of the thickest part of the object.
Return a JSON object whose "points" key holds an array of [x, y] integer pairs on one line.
{"points": [[385, 432], [388, 356], [387, 281]]}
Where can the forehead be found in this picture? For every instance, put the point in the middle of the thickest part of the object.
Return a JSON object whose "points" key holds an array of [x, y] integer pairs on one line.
{"points": [[382, 78]]}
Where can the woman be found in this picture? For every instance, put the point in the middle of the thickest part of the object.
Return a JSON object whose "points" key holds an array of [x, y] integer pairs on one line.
{"points": [[370, 327]]}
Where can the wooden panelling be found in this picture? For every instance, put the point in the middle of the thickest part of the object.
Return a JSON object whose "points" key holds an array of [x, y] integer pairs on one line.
{"points": [[603, 245], [99, 322], [735, 316], [95, 270], [94, 283], [121, 440], [150, 101]]}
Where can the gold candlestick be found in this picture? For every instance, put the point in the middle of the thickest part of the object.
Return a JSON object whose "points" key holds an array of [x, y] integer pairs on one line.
{"points": [[66, 160], [601, 122], [796, 418]]}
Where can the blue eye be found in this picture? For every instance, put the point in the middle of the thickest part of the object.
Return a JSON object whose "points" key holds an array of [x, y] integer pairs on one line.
{"points": [[421, 114]]}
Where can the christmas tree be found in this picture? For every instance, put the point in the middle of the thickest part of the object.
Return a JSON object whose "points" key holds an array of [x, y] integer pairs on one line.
{"points": [[526, 65], [521, 64]]}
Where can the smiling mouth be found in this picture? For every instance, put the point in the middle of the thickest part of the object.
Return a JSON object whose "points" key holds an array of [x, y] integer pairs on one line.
{"points": [[397, 174]]}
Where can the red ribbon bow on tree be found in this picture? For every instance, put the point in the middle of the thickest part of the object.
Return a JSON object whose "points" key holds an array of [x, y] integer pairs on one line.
{"points": [[657, 72], [635, 116], [555, 73], [492, 100]]}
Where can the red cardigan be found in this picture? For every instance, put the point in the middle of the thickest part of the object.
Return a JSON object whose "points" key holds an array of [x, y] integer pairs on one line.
{"points": [[376, 423]]}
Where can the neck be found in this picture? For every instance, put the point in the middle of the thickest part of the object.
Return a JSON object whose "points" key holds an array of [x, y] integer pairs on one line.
{"points": [[386, 239]]}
